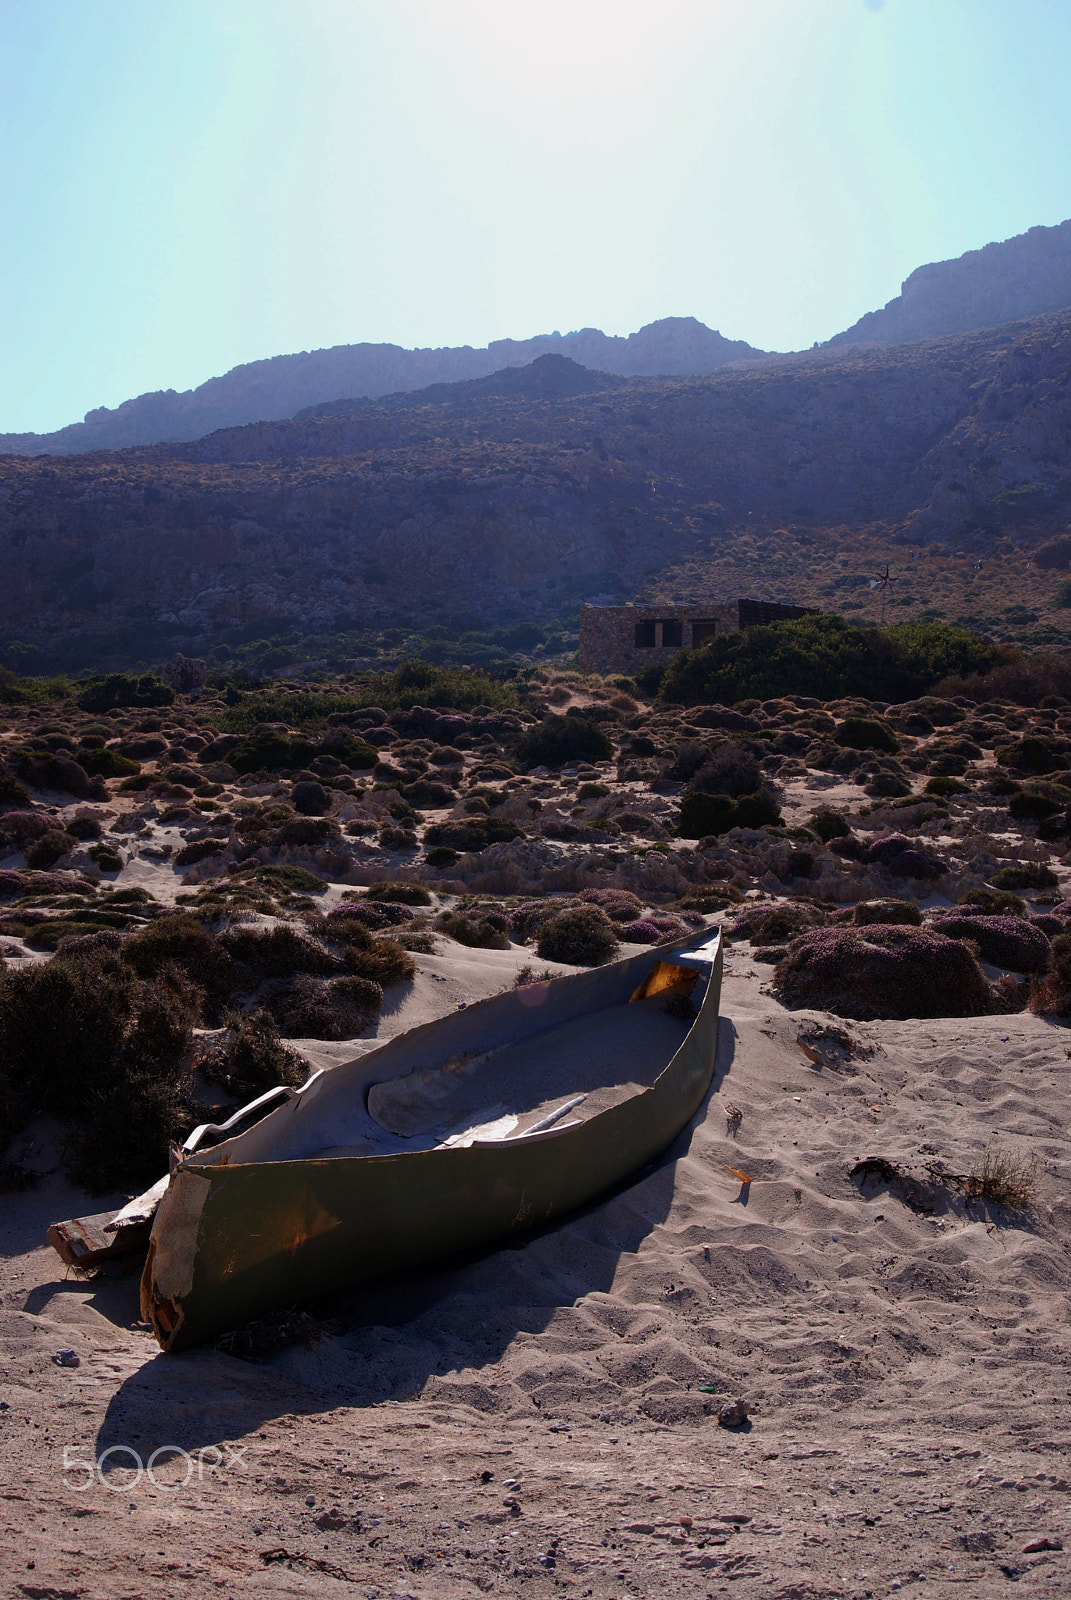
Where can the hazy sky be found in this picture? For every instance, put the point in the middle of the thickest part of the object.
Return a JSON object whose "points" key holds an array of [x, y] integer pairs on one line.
{"points": [[188, 184]]}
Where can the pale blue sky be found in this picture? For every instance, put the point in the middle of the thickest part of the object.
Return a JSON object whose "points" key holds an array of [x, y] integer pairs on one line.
{"points": [[188, 184]]}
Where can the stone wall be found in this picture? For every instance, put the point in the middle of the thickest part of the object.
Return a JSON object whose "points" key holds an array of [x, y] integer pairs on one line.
{"points": [[629, 638]]}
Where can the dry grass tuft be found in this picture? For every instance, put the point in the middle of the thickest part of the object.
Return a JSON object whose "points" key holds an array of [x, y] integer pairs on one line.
{"points": [[1004, 1177]]}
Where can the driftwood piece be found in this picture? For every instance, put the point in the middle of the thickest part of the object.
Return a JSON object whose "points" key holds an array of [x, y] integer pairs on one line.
{"points": [[82, 1242]]}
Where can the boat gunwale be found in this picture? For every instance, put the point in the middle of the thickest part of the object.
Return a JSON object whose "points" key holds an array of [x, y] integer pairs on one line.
{"points": [[516, 1141]]}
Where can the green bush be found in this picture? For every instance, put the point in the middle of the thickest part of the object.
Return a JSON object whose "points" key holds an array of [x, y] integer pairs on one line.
{"points": [[898, 913], [277, 952], [400, 894], [125, 689], [384, 962], [829, 824], [827, 658], [44, 851], [583, 936], [86, 1037], [705, 814], [558, 741], [862, 733], [946, 786], [107, 763], [251, 1058], [1032, 755], [106, 856], [1024, 875], [441, 856], [474, 930], [272, 750], [414, 683]]}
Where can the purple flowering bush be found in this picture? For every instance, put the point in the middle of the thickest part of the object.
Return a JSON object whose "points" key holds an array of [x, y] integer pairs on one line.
{"points": [[1011, 942], [15, 884], [652, 928], [766, 924], [375, 914], [893, 972], [620, 905]]}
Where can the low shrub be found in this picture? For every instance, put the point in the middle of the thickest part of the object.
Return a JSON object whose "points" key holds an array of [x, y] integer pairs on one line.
{"points": [[107, 763], [583, 936], [106, 857], [103, 693], [277, 952], [1032, 755], [383, 961], [993, 902], [1031, 805], [1050, 992], [198, 850], [44, 851], [653, 928], [272, 748], [945, 786], [703, 815], [86, 1037], [478, 930], [558, 741], [374, 915], [313, 1008], [826, 657], [620, 905], [441, 856], [401, 894], [310, 799], [250, 1057], [310, 832], [59, 772], [83, 828], [473, 833], [896, 913], [766, 924], [1024, 875], [829, 824], [530, 915], [904, 858], [882, 972], [862, 733], [294, 880]]}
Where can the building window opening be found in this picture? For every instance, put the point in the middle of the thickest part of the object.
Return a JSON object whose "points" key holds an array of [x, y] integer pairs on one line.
{"points": [[701, 632], [645, 636], [672, 635]]}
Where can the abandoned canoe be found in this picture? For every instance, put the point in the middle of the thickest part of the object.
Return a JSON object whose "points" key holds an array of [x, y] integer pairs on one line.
{"points": [[444, 1140]]}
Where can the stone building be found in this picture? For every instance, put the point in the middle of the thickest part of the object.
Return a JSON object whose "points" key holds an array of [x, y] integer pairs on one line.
{"points": [[629, 638]]}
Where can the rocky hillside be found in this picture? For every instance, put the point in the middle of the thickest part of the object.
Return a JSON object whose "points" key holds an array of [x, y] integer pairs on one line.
{"points": [[284, 384], [1020, 277], [522, 497]]}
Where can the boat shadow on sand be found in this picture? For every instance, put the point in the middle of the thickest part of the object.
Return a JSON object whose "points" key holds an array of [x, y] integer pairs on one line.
{"points": [[437, 1334]]}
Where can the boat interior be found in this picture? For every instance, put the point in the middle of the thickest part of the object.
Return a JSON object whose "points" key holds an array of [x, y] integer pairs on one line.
{"points": [[542, 1060]]}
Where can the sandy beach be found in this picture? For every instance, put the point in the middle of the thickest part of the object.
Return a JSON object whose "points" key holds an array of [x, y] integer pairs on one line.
{"points": [[545, 1418]]}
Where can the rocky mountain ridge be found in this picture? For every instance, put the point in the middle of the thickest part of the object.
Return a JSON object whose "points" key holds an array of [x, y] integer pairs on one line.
{"points": [[282, 385], [524, 496], [1021, 277], [1017, 278]]}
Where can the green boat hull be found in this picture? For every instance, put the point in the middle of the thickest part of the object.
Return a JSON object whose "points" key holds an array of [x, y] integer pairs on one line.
{"points": [[234, 1238]]}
